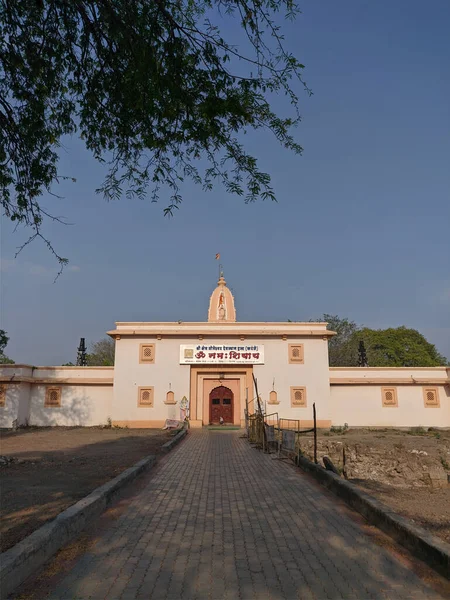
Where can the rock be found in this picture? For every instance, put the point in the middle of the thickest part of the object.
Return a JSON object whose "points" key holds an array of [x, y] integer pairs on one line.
{"points": [[329, 465], [438, 477]]}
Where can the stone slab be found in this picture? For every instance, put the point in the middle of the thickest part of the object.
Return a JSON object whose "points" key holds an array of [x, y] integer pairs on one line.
{"points": [[174, 441]]}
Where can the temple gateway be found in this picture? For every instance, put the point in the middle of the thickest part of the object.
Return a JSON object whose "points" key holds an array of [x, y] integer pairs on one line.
{"points": [[205, 372]]}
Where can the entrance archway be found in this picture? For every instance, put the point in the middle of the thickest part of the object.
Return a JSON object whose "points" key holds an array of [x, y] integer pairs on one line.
{"points": [[221, 404]]}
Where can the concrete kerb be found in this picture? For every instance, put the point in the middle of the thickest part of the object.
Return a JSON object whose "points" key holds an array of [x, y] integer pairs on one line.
{"points": [[22, 560], [25, 558], [168, 446], [427, 547]]}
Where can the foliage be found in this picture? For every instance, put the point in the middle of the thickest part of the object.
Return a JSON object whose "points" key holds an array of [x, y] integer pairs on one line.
{"points": [[398, 347], [417, 430], [69, 364], [392, 347], [102, 353], [341, 350], [151, 86], [341, 347], [444, 463], [5, 360], [340, 429], [4, 339]]}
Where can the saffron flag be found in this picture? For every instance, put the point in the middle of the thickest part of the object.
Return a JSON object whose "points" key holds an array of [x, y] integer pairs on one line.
{"points": [[217, 256]]}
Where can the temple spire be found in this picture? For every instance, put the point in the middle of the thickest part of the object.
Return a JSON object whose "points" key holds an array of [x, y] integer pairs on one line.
{"points": [[221, 303]]}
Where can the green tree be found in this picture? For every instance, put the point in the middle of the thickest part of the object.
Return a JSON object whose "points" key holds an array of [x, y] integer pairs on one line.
{"points": [[102, 353], [4, 339], [393, 347], [151, 86], [398, 347], [341, 349]]}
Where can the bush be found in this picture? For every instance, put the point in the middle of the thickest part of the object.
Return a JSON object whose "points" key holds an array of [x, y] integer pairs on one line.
{"points": [[340, 429], [417, 430]]}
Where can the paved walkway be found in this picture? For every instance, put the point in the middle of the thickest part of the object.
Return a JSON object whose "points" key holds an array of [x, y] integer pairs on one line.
{"points": [[220, 520]]}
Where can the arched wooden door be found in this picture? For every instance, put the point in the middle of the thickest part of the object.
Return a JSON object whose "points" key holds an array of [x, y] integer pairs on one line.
{"points": [[221, 401]]}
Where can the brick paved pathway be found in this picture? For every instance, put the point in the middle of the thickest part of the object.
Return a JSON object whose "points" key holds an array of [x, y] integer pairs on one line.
{"points": [[221, 520]]}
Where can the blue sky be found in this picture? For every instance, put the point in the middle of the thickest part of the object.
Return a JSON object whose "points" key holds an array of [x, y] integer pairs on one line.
{"points": [[361, 227]]}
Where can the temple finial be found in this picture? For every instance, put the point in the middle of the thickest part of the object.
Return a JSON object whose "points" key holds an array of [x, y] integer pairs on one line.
{"points": [[221, 304]]}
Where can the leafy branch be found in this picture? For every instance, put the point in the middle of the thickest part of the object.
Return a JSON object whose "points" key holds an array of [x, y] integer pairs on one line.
{"points": [[152, 87]]}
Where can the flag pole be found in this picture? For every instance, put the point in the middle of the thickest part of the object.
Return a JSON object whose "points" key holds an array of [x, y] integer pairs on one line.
{"points": [[220, 266]]}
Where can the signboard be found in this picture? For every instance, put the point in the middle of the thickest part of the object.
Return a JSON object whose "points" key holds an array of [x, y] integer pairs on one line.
{"points": [[288, 440], [270, 433], [193, 354]]}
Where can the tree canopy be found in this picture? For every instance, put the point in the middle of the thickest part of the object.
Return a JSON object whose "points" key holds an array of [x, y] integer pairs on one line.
{"points": [[341, 348], [399, 347], [4, 339], [151, 86], [102, 353], [392, 347]]}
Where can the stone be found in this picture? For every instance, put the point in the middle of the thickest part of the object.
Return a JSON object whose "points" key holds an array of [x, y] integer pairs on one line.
{"points": [[326, 550]]}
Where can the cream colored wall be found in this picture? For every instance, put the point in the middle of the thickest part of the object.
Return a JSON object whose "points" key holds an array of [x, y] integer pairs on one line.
{"points": [[313, 375], [357, 405], [361, 406], [73, 372], [17, 405], [85, 405], [389, 372], [130, 375], [80, 405], [15, 371]]}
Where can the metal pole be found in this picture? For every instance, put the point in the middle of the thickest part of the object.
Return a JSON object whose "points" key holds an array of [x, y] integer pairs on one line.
{"points": [[315, 433], [247, 423], [257, 395], [260, 417]]}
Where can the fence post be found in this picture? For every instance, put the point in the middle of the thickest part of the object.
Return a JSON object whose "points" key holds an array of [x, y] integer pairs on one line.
{"points": [[315, 433], [261, 415]]}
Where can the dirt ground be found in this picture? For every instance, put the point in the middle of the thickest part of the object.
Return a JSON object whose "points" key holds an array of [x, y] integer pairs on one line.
{"points": [[407, 470], [53, 468], [429, 508]]}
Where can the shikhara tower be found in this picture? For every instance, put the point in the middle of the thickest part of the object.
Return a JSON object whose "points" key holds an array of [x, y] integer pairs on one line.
{"points": [[221, 304]]}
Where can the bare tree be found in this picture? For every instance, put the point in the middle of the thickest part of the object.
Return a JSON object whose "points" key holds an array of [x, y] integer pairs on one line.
{"points": [[102, 353]]}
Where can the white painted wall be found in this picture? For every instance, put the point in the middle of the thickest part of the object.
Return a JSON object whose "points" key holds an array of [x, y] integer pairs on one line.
{"points": [[17, 405], [130, 375], [85, 405], [390, 372], [73, 372], [313, 375], [357, 405], [361, 406], [80, 404]]}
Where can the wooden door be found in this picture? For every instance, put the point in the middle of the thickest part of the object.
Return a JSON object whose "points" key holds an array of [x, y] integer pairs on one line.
{"points": [[221, 402]]}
